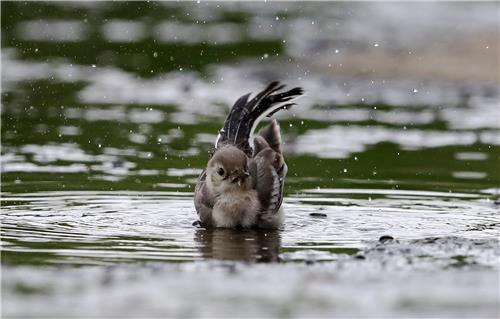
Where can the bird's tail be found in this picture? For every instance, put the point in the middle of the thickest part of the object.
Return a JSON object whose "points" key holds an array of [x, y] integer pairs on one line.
{"points": [[241, 122]]}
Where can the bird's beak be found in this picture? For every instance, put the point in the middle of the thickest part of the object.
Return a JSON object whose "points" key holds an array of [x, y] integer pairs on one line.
{"points": [[241, 177]]}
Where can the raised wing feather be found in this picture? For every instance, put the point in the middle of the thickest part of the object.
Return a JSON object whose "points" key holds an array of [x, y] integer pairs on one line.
{"points": [[246, 114], [270, 172]]}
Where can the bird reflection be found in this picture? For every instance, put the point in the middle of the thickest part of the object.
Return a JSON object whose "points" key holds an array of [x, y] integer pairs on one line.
{"points": [[239, 245]]}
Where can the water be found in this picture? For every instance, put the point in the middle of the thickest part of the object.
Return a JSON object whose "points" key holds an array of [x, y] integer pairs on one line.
{"points": [[109, 111]]}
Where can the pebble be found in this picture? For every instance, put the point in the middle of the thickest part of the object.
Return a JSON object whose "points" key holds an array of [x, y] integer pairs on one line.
{"points": [[196, 223], [385, 239], [317, 215]]}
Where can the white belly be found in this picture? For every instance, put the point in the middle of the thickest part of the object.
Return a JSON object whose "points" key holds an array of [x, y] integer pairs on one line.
{"points": [[236, 209]]}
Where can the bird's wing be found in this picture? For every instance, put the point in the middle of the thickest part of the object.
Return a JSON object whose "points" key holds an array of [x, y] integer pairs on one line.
{"points": [[271, 138], [203, 201], [269, 170], [246, 114]]}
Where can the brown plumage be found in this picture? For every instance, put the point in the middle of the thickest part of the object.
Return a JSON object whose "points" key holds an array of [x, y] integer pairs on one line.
{"points": [[243, 186]]}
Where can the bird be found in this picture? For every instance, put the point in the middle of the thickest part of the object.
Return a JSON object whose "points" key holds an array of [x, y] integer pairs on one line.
{"points": [[242, 184]]}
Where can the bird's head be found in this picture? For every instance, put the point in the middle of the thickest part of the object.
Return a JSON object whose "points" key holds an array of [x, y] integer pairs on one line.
{"points": [[227, 170]]}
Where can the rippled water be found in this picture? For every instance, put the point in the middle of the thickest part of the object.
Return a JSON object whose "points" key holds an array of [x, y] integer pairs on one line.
{"points": [[106, 227], [392, 199]]}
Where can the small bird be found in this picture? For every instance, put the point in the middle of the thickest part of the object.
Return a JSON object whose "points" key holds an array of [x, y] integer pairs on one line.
{"points": [[242, 185]]}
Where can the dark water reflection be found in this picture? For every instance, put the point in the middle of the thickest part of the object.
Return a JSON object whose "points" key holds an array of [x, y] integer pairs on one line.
{"points": [[239, 245]]}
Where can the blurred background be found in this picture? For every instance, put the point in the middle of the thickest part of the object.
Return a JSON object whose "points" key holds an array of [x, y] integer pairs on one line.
{"points": [[130, 95], [109, 110]]}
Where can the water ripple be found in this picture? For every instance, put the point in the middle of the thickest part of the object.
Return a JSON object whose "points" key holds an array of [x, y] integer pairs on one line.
{"points": [[82, 227]]}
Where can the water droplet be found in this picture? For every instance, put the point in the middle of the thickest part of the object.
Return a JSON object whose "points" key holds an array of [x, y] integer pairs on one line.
{"points": [[337, 51], [290, 125], [345, 170], [155, 54], [93, 65], [99, 145], [415, 91], [355, 158], [376, 45]]}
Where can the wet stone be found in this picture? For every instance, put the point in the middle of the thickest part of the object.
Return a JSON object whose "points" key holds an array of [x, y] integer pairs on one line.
{"points": [[385, 239], [319, 215], [197, 224]]}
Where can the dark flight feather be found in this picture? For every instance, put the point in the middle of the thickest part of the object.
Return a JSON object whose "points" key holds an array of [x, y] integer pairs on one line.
{"points": [[245, 114]]}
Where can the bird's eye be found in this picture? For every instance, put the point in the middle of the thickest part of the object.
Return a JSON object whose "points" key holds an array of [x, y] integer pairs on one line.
{"points": [[220, 171]]}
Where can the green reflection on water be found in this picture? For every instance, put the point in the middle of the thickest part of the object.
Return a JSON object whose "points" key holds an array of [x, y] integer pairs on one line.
{"points": [[147, 57]]}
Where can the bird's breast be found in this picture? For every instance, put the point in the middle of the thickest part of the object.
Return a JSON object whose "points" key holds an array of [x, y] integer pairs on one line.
{"points": [[238, 208]]}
